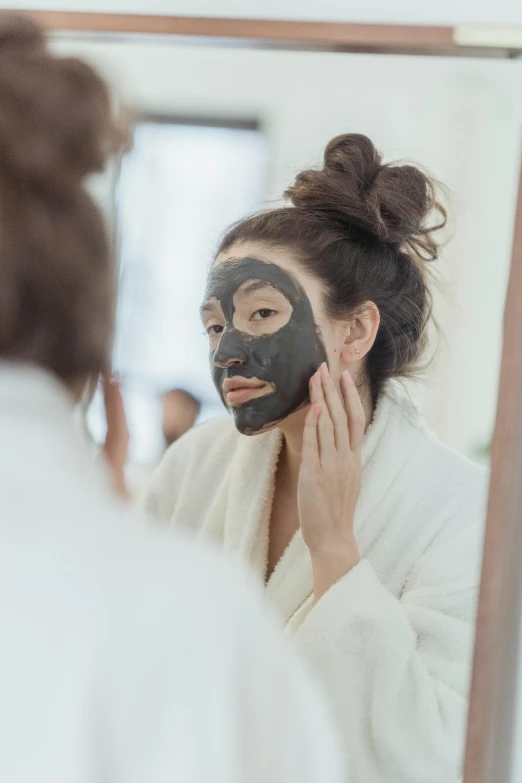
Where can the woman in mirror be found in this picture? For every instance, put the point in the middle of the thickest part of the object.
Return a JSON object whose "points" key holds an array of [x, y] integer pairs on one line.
{"points": [[366, 530]]}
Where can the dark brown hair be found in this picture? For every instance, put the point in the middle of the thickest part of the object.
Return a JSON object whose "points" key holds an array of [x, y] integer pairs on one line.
{"points": [[366, 231], [57, 283]]}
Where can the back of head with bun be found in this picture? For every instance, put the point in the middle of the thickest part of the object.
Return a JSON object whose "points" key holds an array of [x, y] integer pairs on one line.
{"points": [[367, 231], [56, 278]]}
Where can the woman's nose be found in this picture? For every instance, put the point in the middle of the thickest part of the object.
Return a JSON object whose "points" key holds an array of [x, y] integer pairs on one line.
{"points": [[225, 363], [231, 351]]}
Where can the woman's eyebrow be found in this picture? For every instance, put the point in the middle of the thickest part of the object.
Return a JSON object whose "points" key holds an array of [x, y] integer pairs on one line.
{"points": [[257, 285], [207, 307]]}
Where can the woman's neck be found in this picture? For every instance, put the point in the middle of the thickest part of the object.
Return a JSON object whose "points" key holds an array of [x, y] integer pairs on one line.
{"points": [[292, 429], [290, 458]]}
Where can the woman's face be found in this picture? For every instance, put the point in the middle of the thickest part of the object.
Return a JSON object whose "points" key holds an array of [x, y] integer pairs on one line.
{"points": [[268, 334]]}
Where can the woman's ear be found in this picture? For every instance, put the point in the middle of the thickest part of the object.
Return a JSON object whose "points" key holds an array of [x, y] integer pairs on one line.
{"points": [[360, 334]]}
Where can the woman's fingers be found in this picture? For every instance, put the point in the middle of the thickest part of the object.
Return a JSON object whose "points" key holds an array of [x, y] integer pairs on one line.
{"points": [[117, 440], [117, 430], [336, 410], [325, 427], [354, 412], [310, 455]]}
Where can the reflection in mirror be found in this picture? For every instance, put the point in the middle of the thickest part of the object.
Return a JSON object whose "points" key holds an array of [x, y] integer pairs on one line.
{"points": [[363, 520]]}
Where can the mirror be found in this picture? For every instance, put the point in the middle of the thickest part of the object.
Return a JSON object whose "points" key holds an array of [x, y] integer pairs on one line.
{"points": [[235, 145], [222, 132]]}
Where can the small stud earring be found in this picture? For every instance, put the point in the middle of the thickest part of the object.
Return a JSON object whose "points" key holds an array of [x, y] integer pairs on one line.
{"points": [[357, 351]]}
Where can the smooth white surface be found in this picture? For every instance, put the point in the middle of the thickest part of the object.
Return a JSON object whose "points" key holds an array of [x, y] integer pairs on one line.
{"points": [[459, 118], [506, 37], [401, 11]]}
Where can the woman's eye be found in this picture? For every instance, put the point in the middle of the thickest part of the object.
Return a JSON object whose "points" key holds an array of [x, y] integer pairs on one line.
{"points": [[260, 315], [214, 329]]}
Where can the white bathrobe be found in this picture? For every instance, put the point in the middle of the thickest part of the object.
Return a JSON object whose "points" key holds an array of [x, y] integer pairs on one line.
{"points": [[392, 640], [128, 655]]}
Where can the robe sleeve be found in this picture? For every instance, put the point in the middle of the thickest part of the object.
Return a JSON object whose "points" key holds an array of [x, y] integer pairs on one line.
{"points": [[158, 497], [397, 670], [183, 462]]}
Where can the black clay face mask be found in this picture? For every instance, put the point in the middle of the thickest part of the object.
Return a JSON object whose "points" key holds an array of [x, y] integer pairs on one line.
{"points": [[261, 360]]}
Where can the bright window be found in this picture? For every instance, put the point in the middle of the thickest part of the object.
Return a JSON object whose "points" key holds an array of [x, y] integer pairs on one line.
{"points": [[181, 185]]}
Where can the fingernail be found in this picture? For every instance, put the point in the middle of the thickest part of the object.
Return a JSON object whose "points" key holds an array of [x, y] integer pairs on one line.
{"points": [[347, 377]]}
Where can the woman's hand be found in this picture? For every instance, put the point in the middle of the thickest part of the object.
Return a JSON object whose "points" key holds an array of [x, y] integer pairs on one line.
{"points": [[116, 444], [330, 478]]}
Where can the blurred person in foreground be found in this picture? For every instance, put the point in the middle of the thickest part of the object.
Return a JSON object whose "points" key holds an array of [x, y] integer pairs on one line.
{"points": [[126, 655]]}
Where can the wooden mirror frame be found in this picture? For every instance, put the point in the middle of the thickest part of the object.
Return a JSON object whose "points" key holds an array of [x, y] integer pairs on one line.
{"points": [[493, 697]]}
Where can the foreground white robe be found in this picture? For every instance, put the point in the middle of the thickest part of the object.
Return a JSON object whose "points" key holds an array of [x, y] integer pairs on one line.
{"points": [[392, 640], [127, 655]]}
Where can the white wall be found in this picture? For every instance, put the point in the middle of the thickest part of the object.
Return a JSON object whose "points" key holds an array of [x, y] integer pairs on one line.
{"points": [[460, 118], [501, 12]]}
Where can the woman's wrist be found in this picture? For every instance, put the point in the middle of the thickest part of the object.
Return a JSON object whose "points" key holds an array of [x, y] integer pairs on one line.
{"points": [[331, 560]]}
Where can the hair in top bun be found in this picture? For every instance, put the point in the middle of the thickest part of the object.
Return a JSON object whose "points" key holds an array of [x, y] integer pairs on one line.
{"points": [[391, 203], [365, 229], [56, 278]]}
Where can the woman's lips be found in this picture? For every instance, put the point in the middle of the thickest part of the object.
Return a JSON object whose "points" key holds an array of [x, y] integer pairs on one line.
{"points": [[237, 390]]}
